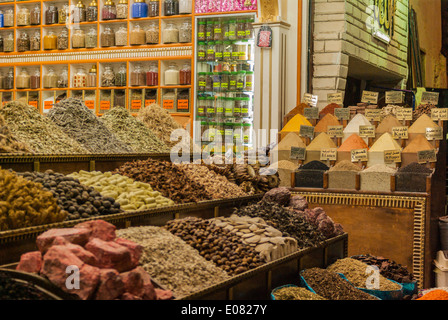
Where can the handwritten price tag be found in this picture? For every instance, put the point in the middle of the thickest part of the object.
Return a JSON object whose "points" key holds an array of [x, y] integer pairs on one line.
{"points": [[359, 155], [427, 156], [329, 154], [310, 99], [369, 97]]}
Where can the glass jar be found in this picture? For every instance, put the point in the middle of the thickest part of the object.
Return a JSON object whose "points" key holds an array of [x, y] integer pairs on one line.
{"points": [[91, 38], [227, 51], [241, 29], [209, 28], [108, 77], [61, 39], [92, 11], [79, 13], [153, 8], [238, 133], [241, 80], [2, 20], [79, 39], [249, 28], [211, 51], [51, 14], [233, 81], [122, 9], [23, 17], [216, 81], [201, 30], [121, 37], [107, 37], [245, 107], [185, 75], [1, 45], [35, 15], [228, 132], [23, 80], [225, 31], [217, 30], [80, 78], [152, 75], [219, 50], [209, 82], [172, 75], [225, 79], [210, 102], [219, 106], [91, 77], [232, 30], [120, 76], [185, 32], [35, 80], [35, 42], [109, 11], [247, 133], [8, 18], [138, 76], [8, 43], [202, 81], [8, 81], [63, 14], [219, 136], [23, 42], [170, 33], [152, 34], [204, 130], [171, 7], [2, 79], [50, 41], [201, 107], [60, 81], [169, 100], [50, 79], [139, 9], [249, 81], [138, 36], [185, 6], [212, 127], [183, 100], [202, 51], [230, 107]]}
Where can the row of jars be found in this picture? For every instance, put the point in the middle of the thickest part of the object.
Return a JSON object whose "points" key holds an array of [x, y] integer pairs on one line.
{"points": [[229, 132], [220, 29], [176, 100], [224, 107], [226, 81], [223, 51]]}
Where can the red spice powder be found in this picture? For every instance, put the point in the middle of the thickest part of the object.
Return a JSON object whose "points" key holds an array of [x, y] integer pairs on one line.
{"points": [[353, 142], [435, 295], [329, 109]]}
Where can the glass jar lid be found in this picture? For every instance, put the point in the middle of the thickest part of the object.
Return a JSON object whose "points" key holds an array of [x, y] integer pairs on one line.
{"points": [[80, 4], [93, 69]]}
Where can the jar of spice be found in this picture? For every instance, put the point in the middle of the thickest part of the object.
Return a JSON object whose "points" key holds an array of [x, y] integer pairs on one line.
{"points": [[230, 108], [23, 80], [227, 51], [153, 8], [201, 107], [35, 80], [8, 43], [211, 51], [247, 133], [109, 11], [8, 81], [8, 18], [120, 76], [91, 77], [138, 76], [245, 107], [219, 51], [225, 31], [50, 79], [152, 75], [1, 43], [241, 29], [238, 134], [183, 101], [23, 17], [185, 74], [169, 100], [172, 75], [92, 11], [201, 30], [228, 132], [35, 42], [232, 30], [61, 39], [225, 79], [216, 82], [233, 81], [211, 111], [185, 32], [107, 37], [209, 30], [2, 18], [23, 42], [2, 79], [217, 30], [63, 14], [249, 28], [152, 34], [138, 36], [91, 38], [209, 82], [35, 15], [249, 81], [79, 13], [122, 9], [185, 6], [139, 9], [219, 103], [171, 7], [50, 41], [60, 81], [80, 78], [108, 77], [79, 39], [170, 33], [241, 80], [51, 14], [202, 78], [121, 37], [202, 51]]}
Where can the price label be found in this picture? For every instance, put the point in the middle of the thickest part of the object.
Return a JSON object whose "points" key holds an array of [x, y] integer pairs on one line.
{"points": [[168, 104], [33, 104], [310, 99], [400, 132], [367, 131], [149, 102], [90, 104], [425, 156], [311, 113], [373, 114], [337, 98], [435, 114], [369, 97], [404, 114], [392, 156], [136, 104], [329, 154], [443, 114], [434, 134], [298, 153], [394, 97], [359, 155], [182, 104], [307, 131], [342, 114], [430, 98], [335, 131], [48, 105]]}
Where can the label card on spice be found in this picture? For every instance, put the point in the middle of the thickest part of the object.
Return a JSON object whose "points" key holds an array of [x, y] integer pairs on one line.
{"points": [[329, 154], [311, 113], [369, 97], [392, 156], [149, 102], [298, 153], [182, 104], [307, 132], [434, 134], [90, 104], [359, 155], [373, 114], [342, 114], [404, 114], [168, 104], [335, 131], [48, 105], [394, 97], [337, 98], [430, 98], [439, 114], [104, 105], [310, 99], [136, 104], [425, 156], [33, 103], [367, 131], [400, 132]]}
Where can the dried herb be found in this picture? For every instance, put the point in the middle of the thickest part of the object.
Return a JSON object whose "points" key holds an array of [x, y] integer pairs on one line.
{"points": [[295, 293], [8, 142]]}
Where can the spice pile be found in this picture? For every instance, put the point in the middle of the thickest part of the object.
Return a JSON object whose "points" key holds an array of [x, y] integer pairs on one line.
{"points": [[419, 143], [343, 175], [353, 142], [132, 131], [327, 120], [421, 124], [412, 178], [39, 133], [353, 126], [8, 142], [295, 293], [322, 141], [390, 109], [377, 178], [329, 109], [311, 175], [172, 262], [295, 123], [387, 124], [79, 122], [11, 289], [436, 294]]}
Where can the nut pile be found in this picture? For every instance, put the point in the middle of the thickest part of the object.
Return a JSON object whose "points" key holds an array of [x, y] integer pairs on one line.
{"points": [[131, 195], [172, 262], [24, 203], [8, 142], [216, 244], [78, 200]]}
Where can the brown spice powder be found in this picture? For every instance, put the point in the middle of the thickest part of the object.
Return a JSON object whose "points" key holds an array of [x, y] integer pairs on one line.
{"points": [[419, 143], [328, 120], [329, 109], [387, 124]]}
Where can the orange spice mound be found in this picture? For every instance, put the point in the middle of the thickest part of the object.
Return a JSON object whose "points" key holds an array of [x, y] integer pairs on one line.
{"points": [[435, 295], [353, 142], [329, 109], [328, 120]]}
